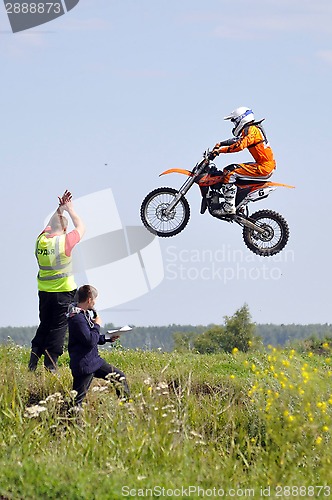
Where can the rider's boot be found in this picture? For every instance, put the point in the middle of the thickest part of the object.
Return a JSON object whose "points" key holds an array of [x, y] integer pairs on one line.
{"points": [[227, 208]]}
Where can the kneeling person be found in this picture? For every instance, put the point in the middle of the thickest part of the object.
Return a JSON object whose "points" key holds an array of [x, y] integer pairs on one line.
{"points": [[84, 337]]}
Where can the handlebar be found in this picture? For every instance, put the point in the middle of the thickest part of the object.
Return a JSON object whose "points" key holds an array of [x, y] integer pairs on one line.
{"points": [[203, 163]]}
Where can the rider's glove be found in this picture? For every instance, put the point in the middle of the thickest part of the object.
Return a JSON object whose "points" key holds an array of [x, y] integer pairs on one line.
{"points": [[213, 154]]}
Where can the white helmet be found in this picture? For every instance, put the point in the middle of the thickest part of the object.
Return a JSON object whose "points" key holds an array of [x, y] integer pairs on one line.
{"points": [[240, 116]]}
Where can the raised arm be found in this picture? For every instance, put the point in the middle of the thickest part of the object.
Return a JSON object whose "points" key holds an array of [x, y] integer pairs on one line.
{"points": [[66, 204]]}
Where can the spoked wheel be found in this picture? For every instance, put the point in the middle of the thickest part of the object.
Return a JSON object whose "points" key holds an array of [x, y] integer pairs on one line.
{"points": [[157, 220], [275, 235]]}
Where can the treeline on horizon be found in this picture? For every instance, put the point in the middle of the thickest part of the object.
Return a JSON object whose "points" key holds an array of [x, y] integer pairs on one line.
{"points": [[161, 337]]}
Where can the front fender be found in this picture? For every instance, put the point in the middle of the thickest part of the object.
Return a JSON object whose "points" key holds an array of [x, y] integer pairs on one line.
{"points": [[177, 171]]}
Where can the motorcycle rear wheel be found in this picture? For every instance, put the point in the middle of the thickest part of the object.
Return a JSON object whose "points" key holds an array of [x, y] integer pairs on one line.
{"points": [[154, 217], [275, 237]]}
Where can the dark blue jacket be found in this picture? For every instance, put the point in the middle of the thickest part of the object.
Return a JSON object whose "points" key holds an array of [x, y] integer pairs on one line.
{"points": [[84, 337]]}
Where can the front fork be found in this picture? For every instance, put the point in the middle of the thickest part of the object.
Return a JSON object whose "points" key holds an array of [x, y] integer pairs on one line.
{"points": [[182, 191]]}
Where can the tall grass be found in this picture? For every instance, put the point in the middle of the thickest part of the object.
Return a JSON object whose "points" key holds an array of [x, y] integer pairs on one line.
{"points": [[217, 421]]}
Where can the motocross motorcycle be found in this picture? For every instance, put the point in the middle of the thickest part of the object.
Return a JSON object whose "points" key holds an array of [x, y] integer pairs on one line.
{"points": [[165, 211]]}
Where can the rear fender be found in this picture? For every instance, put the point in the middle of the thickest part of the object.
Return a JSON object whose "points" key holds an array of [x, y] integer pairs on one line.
{"points": [[259, 185], [263, 190], [277, 184]]}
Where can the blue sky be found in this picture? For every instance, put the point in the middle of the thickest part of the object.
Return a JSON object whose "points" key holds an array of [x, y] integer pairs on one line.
{"points": [[143, 87]]}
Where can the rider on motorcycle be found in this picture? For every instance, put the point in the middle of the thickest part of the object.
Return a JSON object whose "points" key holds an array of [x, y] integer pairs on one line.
{"points": [[248, 134]]}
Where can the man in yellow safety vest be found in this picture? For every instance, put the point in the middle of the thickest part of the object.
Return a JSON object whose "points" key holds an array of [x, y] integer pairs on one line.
{"points": [[56, 284]]}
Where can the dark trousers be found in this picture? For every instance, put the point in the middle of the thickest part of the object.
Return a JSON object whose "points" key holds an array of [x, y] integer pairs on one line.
{"points": [[50, 334], [81, 383]]}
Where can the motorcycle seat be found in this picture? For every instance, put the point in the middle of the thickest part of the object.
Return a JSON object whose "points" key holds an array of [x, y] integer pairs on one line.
{"points": [[252, 180]]}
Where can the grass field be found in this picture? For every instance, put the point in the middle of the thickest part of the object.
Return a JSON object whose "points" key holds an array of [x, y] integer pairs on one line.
{"points": [[242, 425]]}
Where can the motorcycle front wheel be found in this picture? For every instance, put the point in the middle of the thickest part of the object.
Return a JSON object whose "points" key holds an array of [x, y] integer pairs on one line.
{"points": [[275, 235], [155, 218]]}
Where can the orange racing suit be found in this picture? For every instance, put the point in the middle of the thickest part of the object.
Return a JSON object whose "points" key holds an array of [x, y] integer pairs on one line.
{"points": [[253, 137]]}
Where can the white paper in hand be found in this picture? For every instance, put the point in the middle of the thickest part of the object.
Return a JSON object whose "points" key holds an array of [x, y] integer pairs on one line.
{"points": [[116, 333]]}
